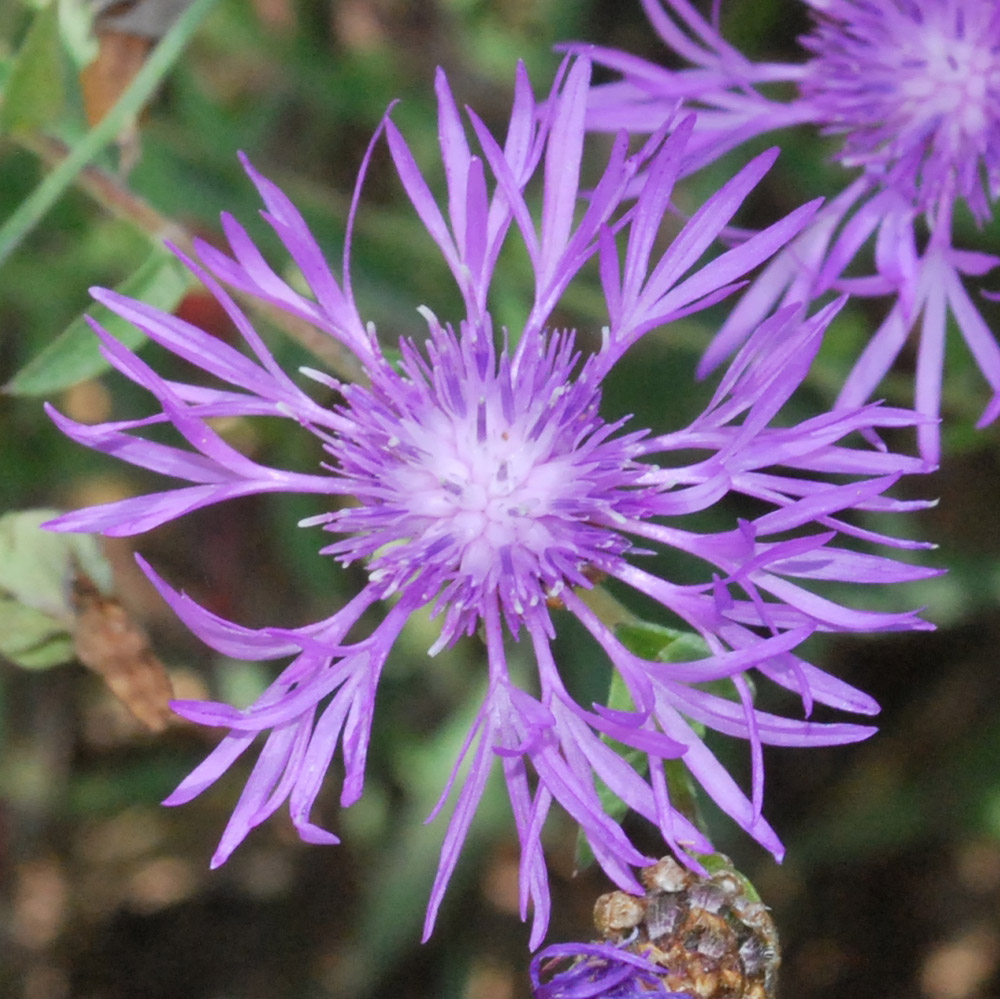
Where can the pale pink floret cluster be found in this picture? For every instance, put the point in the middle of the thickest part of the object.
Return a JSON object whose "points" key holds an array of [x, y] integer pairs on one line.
{"points": [[486, 484], [911, 89]]}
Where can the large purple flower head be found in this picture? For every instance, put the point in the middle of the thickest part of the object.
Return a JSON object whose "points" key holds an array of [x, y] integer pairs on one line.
{"points": [[484, 483], [912, 90]]}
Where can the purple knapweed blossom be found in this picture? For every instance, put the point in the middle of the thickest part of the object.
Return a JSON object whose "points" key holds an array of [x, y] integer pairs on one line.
{"points": [[596, 971], [911, 88], [484, 484]]}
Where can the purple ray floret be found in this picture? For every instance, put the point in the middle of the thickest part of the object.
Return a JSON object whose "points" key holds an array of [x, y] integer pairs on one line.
{"points": [[485, 484], [596, 971], [911, 89]]}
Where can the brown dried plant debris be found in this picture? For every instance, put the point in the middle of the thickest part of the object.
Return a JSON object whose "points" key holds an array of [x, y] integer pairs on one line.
{"points": [[109, 641]]}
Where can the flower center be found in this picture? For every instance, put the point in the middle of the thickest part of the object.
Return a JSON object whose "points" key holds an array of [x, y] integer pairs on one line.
{"points": [[915, 89], [485, 483], [949, 87], [484, 477]]}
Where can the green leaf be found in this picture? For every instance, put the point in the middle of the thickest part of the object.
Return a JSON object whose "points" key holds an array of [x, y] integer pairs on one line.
{"points": [[35, 89], [75, 354], [668, 645], [37, 568], [31, 638]]}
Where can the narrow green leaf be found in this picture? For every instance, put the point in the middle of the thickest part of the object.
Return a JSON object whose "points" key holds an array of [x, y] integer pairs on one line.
{"points": [[75, 354], [35, 88]]}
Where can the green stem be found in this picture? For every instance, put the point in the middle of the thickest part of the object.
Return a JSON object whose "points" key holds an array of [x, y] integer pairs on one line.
{"points": [[27, 215]]}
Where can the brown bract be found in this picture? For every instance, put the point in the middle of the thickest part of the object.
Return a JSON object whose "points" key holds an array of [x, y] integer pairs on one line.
{"points": [[714, 939]]}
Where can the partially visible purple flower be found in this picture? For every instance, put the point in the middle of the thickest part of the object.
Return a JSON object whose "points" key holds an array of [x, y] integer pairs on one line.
{"points": [[485, 484], [912, 87], [596, 971]]}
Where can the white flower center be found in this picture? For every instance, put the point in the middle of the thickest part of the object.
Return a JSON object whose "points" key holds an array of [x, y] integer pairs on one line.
{"points": [[488, 489], [949, 83]]}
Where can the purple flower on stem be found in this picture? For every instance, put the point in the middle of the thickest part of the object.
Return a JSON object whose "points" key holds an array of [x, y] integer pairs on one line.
{"points": [[486, 485], [912, 88]]}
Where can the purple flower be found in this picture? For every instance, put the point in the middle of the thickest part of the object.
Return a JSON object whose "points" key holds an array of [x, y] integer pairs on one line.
{"points": [[486, 485], [912, 88], [596, 971]]}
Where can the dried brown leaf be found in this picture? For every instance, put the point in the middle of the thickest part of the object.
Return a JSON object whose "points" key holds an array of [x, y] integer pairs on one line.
{"points": [[108, 641]]}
